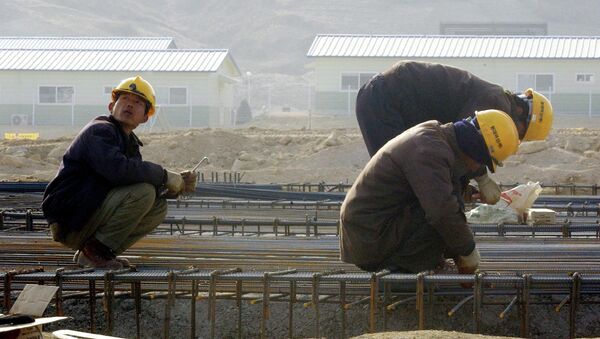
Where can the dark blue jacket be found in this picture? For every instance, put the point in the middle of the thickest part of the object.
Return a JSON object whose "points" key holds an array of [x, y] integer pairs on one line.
{"points": [[100, 158]]}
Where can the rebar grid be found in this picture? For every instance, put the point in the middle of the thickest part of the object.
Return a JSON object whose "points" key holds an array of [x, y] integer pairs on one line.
{"points": [[581, 225], [383, 292], [499, 254]]}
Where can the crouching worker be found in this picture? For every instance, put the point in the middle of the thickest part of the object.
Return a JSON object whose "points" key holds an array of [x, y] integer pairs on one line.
{"points": [[404, 212], [104, 197]]}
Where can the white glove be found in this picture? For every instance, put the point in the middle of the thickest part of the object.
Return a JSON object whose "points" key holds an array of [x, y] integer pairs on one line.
{"points": [[174, 182], [468, 264], [489, 189]]}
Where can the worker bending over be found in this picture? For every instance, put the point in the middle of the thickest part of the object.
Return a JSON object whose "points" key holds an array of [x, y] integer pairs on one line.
{"points": [[404, 212], [411, 92], [104, 197]]}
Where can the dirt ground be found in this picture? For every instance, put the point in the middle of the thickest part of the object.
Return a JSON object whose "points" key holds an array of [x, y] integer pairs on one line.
{"points": [[286, 148], [401, 323]]}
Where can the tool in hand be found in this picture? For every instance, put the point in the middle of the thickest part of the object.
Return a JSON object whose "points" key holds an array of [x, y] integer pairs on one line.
{"points": [[199, 163], [185, 174]]}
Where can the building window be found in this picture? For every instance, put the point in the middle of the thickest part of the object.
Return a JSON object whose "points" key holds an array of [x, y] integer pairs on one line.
{"points": [[56, 94], [539, 82], [353, 81], [171, 95], [178, 96], [584, 77]]}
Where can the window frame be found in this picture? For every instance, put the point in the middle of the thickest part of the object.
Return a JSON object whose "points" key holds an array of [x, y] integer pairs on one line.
{"points": [[168, 99], [56, 103], [357, 74], [552, 88], [591, 75], [187, 96]]}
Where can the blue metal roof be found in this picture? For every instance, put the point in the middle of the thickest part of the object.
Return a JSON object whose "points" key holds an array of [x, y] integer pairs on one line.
{"points": [[456, 46], [116, 43]]}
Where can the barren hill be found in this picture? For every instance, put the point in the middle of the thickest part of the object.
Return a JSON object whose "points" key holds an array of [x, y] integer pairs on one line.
{"points": [[273, 36]]}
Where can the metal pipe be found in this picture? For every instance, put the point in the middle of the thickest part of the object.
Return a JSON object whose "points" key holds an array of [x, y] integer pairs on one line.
{"points": [[212, 297], [108, 298], [477, 301], [525, 305], [291, 309], [575, 295], [562, 303], [420, 299], [92, 303], [393, 306], [508, 308], [169, 303], [266, 291], [137, 295], [373, 305], [343, 307], [238, 296], [58, 296], [459, 305]]}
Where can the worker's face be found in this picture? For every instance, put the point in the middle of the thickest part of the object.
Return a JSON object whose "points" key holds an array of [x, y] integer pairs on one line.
{"points": [[472, 165], [521, 122], [129, 110]]}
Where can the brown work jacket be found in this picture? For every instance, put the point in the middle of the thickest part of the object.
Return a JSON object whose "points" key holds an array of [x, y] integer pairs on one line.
{"points": [[424, 91], [419, 169]]}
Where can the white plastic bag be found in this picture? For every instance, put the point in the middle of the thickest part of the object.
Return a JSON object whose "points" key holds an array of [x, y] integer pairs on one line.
{"points": [[510, 209], [520, 198], [492, 214]]}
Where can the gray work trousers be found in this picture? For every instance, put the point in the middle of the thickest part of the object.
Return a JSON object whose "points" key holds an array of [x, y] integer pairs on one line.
{"points": [[126, 215], [421, 249]]}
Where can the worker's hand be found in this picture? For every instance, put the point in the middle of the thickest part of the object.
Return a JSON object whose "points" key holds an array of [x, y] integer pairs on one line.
{"points": [[489, 189], [190, 179], [175, 183], [471, 194], [468, 264]]}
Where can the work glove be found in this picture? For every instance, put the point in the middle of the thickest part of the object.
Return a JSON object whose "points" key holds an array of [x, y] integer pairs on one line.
{"points": [[468, 264], [175, 183], [489, 189], [190, 179]]}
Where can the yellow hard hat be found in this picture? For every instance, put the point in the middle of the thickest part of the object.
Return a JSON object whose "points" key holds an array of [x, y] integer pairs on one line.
{"points": [[140, 87], [500, 135], [540, 116]]}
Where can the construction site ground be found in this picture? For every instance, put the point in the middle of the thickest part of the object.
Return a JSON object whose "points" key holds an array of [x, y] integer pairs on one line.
{"points": [[286, 147], [290, 148]]}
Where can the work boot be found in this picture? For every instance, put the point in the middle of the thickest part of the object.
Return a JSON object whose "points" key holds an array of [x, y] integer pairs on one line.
{"points": [[446, 266], [97, 255], [124, 261]]}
